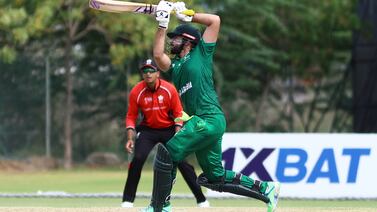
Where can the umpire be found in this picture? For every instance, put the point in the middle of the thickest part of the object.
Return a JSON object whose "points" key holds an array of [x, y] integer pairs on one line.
{"points": [[159, 104]]}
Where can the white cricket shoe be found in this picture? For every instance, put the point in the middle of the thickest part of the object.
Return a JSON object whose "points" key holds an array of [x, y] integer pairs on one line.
{"points": [[126, 204], [272, 193], [204, 204]]}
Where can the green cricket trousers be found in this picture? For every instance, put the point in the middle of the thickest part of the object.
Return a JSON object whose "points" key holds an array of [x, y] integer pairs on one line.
{"points": [[202, 136]]}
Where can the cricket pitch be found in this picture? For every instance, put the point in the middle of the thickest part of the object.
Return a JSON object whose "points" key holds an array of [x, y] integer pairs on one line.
{"points": [[183, 209]]}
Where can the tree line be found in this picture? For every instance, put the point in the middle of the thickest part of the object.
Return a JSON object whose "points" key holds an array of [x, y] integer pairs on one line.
{"points": [[280, 66]]}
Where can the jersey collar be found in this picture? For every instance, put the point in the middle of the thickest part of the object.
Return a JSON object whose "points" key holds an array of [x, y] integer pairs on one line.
{"points": [[156, 86]]}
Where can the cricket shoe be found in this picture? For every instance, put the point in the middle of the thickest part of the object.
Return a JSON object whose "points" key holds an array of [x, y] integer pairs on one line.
{"points": [[204, 204], [272, 193], [126, 204], [166, 208]]}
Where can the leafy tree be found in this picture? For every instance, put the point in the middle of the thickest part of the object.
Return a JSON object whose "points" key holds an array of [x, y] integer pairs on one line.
{"points": [[22, 93], [281, 60], [19, 21], [21, 78], [72, 33], [281, 65], [124, 37]]}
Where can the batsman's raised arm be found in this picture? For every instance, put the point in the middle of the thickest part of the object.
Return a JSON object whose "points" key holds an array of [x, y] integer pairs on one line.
{"points": [[163, 61], [213, 26], [163, 10], [210, 20]]}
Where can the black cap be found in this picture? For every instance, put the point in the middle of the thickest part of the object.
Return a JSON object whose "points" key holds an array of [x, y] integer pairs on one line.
{"points": [[186, 31], [149, 64]]}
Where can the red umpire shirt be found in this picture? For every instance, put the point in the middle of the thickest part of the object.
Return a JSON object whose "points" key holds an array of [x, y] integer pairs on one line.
{"points": [[159, 106]]}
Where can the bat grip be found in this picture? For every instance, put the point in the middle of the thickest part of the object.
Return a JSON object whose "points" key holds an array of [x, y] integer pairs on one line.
{"points": [[189, 12]]}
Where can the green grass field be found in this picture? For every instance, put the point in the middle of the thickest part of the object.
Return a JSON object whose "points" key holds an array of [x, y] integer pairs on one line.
{"points": [[112, 181]]}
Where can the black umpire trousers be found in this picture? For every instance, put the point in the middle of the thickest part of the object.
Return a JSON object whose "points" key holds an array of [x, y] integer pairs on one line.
{"points": [[146, 139]]}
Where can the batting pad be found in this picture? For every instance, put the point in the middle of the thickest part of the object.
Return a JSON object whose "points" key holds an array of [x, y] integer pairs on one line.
{"points": [[231, 188], [162, 178]]}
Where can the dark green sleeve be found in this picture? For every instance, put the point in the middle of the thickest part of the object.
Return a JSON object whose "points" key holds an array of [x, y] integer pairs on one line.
{"points": [[207, 49]]}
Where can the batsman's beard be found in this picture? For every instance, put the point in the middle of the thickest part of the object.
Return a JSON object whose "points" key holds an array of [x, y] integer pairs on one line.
{"points": [[176, 49]]}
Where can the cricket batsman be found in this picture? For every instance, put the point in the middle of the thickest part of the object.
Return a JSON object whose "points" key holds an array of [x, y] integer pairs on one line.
{"points": [[191, 69]]}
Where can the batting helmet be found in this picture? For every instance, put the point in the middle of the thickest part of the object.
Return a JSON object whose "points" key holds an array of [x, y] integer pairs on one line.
{"points": [[186, 31]]}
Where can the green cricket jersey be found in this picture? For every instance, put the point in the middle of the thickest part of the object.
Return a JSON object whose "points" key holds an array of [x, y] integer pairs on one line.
{"points": [[192, 75]]}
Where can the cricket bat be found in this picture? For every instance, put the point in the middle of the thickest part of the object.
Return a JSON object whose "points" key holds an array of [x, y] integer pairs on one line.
{"points": [[116, 6]]}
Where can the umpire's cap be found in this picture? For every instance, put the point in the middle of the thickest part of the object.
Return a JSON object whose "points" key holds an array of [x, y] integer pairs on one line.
{"points": [[149, 64], [186, 31]]}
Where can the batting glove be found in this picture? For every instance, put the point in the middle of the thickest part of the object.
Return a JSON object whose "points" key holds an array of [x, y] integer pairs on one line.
{"points": [[180, 8], [163, 11]]}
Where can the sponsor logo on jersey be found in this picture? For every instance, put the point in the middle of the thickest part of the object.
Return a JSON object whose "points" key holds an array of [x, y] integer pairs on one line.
{"points": [[147, 100], [185, 88], [160, 99]]}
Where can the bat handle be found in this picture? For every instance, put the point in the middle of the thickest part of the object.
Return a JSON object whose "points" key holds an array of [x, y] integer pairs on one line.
{"points": [[189, 12]]}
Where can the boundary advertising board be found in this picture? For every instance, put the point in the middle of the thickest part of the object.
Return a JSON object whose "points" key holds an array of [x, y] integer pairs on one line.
{"points": [[309, 165]]}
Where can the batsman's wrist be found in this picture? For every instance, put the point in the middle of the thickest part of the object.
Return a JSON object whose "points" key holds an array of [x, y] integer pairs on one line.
{"points": [[163, 25]]}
